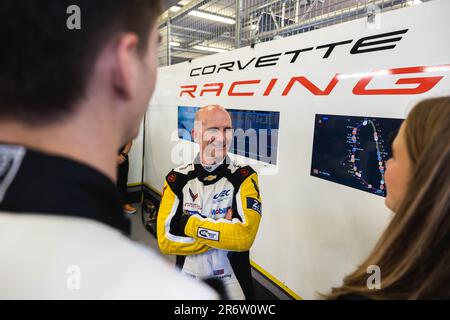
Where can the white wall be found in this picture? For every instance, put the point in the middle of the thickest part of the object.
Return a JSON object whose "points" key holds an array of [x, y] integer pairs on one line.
{"points": [[313, 232], [135, 158]]}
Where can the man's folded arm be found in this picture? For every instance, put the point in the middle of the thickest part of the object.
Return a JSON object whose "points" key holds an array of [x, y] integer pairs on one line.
{"points": [[171, 238], [237, 234]]}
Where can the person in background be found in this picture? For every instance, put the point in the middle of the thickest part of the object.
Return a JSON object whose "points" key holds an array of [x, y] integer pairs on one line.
{"points": [[122, 177], [413, 253], [64, 114], [211, 209]]}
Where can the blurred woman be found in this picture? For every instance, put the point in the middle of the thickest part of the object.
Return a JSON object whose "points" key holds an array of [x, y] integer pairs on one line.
{"points": [[413, 253], [122, 177]]}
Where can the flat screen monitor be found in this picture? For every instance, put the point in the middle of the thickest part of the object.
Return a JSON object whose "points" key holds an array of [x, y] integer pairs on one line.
{"points": [[353, 151], [255, 132]]}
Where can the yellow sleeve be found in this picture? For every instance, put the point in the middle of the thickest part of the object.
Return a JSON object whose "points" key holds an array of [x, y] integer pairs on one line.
{"points": [[170, 241], [237, 234]]}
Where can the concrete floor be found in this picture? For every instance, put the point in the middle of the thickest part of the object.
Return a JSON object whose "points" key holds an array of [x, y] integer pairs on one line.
{"points": [[140, 234]]}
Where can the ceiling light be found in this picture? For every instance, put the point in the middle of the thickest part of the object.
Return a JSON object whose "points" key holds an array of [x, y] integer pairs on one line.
{"points": [[438, 68], [212, 17], [174, 8], [364, 74], [211, 49], [174, 44]]}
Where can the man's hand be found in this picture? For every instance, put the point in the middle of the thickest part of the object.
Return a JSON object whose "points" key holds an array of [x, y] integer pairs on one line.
{"points": [[120, 159], [229, 215]]}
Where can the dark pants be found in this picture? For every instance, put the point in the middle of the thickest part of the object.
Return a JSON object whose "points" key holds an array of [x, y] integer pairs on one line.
{"points": [[122, 179]]}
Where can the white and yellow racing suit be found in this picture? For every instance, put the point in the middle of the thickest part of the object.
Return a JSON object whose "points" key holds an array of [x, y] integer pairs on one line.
{"points": [[191, 223]]}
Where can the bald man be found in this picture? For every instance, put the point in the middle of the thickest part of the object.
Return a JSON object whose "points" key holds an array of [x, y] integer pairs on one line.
{"points": [[211, 209]]}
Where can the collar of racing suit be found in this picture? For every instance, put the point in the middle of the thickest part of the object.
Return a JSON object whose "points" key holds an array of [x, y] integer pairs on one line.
{"points": [[211, 167], [211, 177], [39, 183]]}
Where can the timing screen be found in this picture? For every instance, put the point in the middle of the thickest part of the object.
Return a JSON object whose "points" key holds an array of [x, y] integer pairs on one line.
{"points": [[353, 151], [255, 132]]}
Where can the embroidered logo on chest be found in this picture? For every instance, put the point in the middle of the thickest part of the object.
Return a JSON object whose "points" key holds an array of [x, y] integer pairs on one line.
{"points": [[193, 196], [210, 178], [218, 197]]}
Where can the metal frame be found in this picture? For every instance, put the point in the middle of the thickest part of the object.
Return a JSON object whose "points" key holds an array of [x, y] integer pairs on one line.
{"points": [[254, 21]]}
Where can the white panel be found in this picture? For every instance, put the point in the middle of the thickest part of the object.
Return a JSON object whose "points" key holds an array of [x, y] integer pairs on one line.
{"points": [[135, 157], [313, 232]]}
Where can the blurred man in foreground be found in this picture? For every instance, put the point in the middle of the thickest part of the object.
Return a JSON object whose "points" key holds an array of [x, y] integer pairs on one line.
{"points": [[69, 98]]}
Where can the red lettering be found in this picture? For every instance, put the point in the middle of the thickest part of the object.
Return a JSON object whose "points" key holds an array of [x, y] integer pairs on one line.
{"points": [[231, 92], [424, 84], [190, 90], [421, 84], [270, 87], [311, 87], [218, 88]]}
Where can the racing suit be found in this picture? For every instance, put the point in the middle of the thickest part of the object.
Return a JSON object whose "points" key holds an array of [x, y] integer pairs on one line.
{"points": [[191, 223]]}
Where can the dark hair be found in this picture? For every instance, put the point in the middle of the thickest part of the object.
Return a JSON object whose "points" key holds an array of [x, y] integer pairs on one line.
{"points": [[44, 66], [413, 252]]}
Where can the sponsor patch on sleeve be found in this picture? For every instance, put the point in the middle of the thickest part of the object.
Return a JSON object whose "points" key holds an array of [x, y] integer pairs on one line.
{"points": [[172, 177], [254, 204], [208, 234]]}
